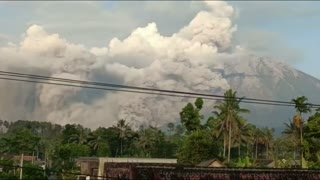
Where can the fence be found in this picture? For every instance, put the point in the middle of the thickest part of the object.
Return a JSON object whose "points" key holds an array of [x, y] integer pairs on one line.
{"points": [[193, 173]]}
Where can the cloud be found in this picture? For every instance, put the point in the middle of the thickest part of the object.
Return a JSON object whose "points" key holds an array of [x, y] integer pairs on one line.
{"points": [[270, 44], [182, 61], [3, 39], [187, 57], [97, 22]]}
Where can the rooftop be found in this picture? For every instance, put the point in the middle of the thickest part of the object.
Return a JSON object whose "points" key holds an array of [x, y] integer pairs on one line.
{"points": [[129, 160]]}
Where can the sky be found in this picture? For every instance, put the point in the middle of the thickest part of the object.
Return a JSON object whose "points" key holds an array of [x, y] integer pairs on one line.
{"points": [[286, 30]]}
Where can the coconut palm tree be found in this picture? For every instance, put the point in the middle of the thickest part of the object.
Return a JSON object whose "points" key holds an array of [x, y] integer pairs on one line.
{"points": [[259, 138], [228, 112], [218, 127], [301, 106], [242, 134], [94, 140], [80, 137], [124, 131], [292, 133], [147, 140], [269, 140]]}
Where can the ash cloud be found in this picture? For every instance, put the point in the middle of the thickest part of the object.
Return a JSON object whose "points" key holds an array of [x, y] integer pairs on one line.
{"points": [[184, 61]]}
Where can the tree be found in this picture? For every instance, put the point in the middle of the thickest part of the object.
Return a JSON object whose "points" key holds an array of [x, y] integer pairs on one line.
{"points": [[259, 138], [147, 140], [6, 124], [124, 131], [190, 115], [69, 131], [228, 112], [76, 134], [269, 140], [313, 126], [32, 172], [22, 142], [197, 147], [65, 155], [312, 137], [98, 143], [292, 133], [170, 127], [301, 106], [242, 135]]}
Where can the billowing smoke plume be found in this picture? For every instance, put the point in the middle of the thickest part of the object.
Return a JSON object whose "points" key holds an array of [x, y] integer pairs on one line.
{"points": [[185, 61]]}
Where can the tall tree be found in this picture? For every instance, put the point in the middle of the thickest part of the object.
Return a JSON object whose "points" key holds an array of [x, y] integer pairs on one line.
{"points": [[124, 131], [228, 112], [292, 133], [147, 140], [197, 147], [269, 140], [98, 143], [242, 134], [312, 137], [22, 142], [190, 115], [301, 106]]}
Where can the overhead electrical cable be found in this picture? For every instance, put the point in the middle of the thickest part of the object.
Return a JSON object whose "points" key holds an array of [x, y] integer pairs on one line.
{"points": [[131, 89]]}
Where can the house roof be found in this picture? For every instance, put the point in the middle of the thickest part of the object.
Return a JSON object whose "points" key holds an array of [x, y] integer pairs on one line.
{"points": [[129, 160], [207, 163], [25, 158], [291, 162]]}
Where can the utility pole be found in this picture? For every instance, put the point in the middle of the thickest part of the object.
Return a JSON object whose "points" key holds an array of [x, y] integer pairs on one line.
{"points": [[21, 164]]}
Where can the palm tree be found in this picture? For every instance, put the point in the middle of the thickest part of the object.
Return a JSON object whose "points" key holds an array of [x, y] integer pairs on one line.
{"points": [[218, 128], [80, 137], [292, 134], [242, 134], [124, 131], [259, 138], [147, 140], [301, 106], [94, 141], [229, 111], [269, 141]]}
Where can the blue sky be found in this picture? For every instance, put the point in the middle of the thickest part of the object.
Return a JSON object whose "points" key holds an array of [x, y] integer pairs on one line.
{"points": [[286, 30], [296, 24]]}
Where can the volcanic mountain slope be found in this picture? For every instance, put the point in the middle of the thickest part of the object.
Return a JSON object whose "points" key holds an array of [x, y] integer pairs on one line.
{"points": [[265, 78]]}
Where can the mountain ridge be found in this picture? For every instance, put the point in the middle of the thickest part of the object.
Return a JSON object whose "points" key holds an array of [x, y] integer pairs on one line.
{"points": [[266, 78]]}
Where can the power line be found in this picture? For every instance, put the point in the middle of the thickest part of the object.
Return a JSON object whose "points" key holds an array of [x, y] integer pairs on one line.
{"points": [[7, 73], [215, 97], [113, 86], [132, 91]]}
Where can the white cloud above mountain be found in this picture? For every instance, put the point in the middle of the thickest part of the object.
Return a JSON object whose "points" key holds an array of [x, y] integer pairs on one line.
{"points": [[136, 51]]}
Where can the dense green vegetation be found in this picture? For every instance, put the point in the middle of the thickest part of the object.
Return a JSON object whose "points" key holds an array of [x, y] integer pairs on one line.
{"points": [[226, 135]]}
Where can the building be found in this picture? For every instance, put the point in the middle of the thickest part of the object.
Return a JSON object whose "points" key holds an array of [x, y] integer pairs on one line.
{"points": [[285, 163], [98, 167], [211, 163], [25, 158]]}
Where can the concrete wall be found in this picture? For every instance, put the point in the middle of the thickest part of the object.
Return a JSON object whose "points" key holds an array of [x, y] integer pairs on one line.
{"points": [[87, 163]]}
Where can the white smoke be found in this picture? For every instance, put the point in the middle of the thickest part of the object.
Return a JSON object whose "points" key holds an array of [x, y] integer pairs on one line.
{"points": [[185, 61]]}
